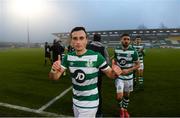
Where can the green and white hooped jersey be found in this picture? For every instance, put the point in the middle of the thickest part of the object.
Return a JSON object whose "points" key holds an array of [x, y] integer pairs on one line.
{"points": [[141, 54], [84, 74], [125, 59]]}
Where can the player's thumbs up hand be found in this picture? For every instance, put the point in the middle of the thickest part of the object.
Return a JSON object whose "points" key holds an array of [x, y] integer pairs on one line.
{"points": [[56, 65], [116, 68], [59, 59]]}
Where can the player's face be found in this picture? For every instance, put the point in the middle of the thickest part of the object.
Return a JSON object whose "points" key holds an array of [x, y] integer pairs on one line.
{"points": [[125, 40], [138, 40], [79, 40]]}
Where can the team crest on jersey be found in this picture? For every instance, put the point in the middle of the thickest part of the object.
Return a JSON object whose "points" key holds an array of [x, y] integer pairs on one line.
{"points": [[71, 63], [79, 76], [129, 55], [89, 63]]}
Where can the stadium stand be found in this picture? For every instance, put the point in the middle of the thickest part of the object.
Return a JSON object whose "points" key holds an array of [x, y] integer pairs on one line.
{"points": [[151, 37]]}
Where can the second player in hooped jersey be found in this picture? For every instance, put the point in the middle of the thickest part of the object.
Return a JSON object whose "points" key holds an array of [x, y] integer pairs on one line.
{"points": [[139, 79], [126, 57]]}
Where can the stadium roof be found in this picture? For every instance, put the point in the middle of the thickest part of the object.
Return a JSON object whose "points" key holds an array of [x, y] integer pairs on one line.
{"points": [[168, 31]]}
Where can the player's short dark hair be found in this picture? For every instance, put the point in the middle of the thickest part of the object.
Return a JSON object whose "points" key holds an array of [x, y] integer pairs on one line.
{"points": [[97, 37], [78, 29], [124, 34]]}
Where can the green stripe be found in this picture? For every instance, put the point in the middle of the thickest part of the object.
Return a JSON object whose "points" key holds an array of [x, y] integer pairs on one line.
{"points": [[127, 75], [86, 98], [125, 79], [84, 88], [89, 76]]}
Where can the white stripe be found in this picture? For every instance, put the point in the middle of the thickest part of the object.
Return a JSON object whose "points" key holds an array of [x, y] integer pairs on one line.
{"points": [[85, 93], [141, 61], [126, 77], [83, 58], [124, 52], [138, 46], [85, 83], [29, 110], [87, 70], [126, 58], [54, 99], [86, 103]]}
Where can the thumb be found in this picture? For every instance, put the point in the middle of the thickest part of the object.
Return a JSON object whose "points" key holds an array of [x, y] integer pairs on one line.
{"points": [[59, 59], [113, 62]]}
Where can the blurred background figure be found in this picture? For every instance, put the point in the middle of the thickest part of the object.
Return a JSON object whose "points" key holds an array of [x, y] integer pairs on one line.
{"points": [[97, 46], [141, 53], [70, 47], [57, 50], [47, 53]]}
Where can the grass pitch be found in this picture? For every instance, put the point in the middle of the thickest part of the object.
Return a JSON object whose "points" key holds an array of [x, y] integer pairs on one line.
{"points": [[24, 82]]}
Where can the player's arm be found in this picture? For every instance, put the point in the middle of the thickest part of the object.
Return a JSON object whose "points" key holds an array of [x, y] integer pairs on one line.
{"points": [[113, 72], [106, 54], [143, 51], [135, 66], [56, 70], [104, 67]]}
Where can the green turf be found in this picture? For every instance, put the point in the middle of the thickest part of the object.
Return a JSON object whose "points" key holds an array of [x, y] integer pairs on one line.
{"points": [[24, 82]]}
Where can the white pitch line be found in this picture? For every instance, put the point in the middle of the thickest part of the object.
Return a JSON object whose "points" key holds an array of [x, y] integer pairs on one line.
{"points": [[54, 99], [29, 109]]}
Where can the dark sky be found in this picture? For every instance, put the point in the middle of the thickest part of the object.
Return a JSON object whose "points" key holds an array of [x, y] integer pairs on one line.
{"points": [[63, 15]]}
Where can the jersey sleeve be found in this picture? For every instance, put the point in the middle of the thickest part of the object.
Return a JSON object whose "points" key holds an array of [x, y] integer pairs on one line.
{"points": [[101, 63], [64, 63]]}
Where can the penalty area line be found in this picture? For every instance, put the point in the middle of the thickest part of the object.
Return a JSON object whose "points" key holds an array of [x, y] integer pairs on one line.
{"points": [[54, 99], [28, 109]]}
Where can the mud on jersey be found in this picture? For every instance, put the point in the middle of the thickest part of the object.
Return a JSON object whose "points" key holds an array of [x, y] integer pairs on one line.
{"points": [[125, 59], [84, 74]]}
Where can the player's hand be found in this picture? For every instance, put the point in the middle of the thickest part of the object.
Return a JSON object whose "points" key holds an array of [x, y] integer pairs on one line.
{"points": [[56, 66], [117, 70], [125, 71]]}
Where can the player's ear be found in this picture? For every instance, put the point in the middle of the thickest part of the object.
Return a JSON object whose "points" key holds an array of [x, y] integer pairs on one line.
{"points": [[87, 40]]}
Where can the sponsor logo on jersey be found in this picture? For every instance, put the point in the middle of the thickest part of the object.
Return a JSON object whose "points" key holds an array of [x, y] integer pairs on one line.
{"points": [[122, 62], [79, 76]]}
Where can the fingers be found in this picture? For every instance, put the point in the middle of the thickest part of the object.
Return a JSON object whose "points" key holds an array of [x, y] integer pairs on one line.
{"points": [[117, 70], [56, 65]]}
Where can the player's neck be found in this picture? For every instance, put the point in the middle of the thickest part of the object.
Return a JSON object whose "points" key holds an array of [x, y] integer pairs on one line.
{"points": [[125, 47], [81, 52]]}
